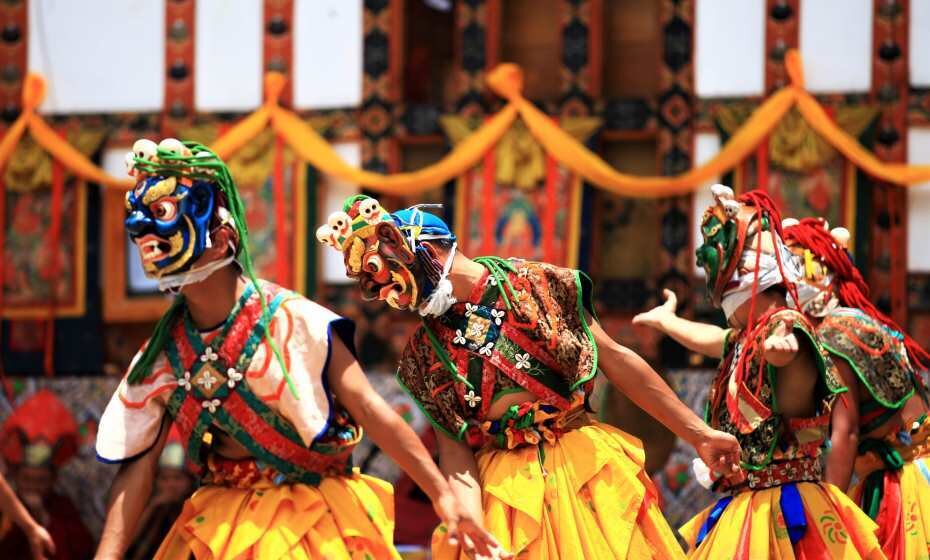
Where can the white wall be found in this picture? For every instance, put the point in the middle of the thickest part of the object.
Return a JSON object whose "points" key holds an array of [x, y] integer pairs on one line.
{"points": [[729, 48], [104, 56], [327, 53], [920, 43], [706, 146], [228, 55], [918, 203], [335, 191], [836, 45]]}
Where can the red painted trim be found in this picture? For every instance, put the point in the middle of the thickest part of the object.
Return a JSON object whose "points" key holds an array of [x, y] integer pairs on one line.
{"points": [[488, 209], [282, 242], [279, 49], [549, 210]]}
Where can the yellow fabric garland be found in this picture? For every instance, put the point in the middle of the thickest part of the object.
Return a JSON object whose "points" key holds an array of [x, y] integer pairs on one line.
{"points": [[505, 80]]}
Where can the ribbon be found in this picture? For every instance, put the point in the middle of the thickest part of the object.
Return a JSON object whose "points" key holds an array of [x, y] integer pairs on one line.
{"points": [[712, 519], [792, 509]]}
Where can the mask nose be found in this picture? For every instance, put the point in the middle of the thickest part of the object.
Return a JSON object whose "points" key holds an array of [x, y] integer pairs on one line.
{"points": [[137, 223]]}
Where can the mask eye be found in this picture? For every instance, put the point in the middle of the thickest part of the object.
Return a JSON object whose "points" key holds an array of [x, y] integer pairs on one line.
{"points": [[164, 210]]}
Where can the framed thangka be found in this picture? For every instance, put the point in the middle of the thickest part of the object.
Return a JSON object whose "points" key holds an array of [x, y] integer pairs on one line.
{"points": [[519, 201], [271, 183], [802, 172], [43, 268]]}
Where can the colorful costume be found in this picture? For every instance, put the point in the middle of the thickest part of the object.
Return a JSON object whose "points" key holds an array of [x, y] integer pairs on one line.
{"points": [[780, 508], [42, 434], [297, 495], [893, 466], [555, 484]]}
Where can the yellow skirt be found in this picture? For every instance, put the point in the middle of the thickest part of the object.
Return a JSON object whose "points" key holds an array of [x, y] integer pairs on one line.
{"points": [[344, 518], [590, 499], [904, 514], [812, 520]]}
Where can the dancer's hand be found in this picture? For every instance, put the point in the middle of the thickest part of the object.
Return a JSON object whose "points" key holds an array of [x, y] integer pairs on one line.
{"points": [[466, 531], [657, 315], [40, 542], [781, 346], [720, 451]]}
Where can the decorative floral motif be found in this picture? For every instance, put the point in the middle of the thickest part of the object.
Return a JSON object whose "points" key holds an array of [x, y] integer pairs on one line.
{"points": [[211, 405], [207, 380], [209, 355], [486, 349], [477, 329], [498, 316], [233, 377], [459, 337], [185, 381], [472, 399], [523, 361], [470, 308]]}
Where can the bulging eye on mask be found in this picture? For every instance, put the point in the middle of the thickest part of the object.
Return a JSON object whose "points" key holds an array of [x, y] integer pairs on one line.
{"points": [[745, 279]]}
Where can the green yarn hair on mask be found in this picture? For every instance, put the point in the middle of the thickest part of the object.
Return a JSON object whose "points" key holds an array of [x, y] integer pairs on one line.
{"points": [[203, 165]]}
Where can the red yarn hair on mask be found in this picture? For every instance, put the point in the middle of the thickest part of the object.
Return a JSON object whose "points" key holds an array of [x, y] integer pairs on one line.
{"points": [[849, 285], [766, 208]]}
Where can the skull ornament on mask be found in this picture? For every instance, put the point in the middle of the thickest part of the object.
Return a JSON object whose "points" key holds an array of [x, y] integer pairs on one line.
{"points": [[383, 253]]}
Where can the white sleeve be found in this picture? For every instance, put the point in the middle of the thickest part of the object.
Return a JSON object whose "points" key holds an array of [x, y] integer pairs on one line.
{"points": [[303, 331], [132, 421]]}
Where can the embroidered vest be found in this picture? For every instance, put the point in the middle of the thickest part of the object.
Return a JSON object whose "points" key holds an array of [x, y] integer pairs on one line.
{"points": [[212, 390], [742, 402], [877, 355], [523, 329]]}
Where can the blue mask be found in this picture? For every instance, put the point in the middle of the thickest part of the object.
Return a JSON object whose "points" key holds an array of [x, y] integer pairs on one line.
{"points": [[168, 219]]}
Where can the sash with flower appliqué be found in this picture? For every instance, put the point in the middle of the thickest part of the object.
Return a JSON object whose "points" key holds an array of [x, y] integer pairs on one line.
{"points": [[497, 332], [212, 390]]}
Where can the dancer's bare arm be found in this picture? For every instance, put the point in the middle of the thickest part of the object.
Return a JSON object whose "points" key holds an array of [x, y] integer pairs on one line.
{"points": [[39, 539], [629, 373], [698, 337], [844, 430], [457, 462], [396, 438], [129, 493]]}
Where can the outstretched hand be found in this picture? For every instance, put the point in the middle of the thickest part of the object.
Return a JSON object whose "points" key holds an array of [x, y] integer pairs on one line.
{"points": [[475, 540], [781, 346], [655, 316]]}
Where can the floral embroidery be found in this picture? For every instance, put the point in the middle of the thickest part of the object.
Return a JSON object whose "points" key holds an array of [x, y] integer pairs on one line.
{"points": [[486, 349], [211, 405], [498, 316], [459, 338], [470, 308], [472, 399], [233, 377], [207, 381], [209, 355], [477, 329], [186, 381], [523, 361]]}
